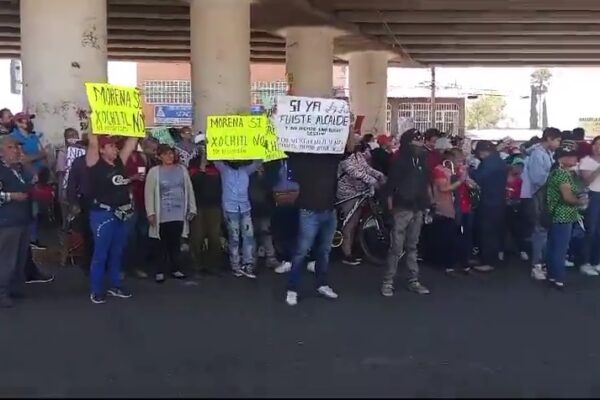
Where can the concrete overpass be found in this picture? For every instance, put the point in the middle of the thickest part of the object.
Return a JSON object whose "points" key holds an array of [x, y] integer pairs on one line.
{"points": [[64, 43]]}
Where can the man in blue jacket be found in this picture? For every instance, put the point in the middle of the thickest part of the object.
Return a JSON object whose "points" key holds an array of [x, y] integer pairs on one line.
{"points": [[491, 177], [536, 171], [15, 218]]}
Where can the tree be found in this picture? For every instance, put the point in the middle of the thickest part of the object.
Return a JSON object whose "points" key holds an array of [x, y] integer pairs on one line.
{"points": [[540, 81], [534, 118], [485, 112]]}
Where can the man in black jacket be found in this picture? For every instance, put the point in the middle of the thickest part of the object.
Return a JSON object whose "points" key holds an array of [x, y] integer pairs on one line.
{"points": [[408, 197]]}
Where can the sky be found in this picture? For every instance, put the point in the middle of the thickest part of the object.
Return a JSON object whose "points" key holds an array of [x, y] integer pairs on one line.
{"points": [[119, 73], [572, 93]]}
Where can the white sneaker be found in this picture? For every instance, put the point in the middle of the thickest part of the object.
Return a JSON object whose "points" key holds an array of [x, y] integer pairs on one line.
{"points": [[569, 264], [285, 267], [524, 256], [596, 267], [501, 256], [311, 266], [588, 270], [327, 292], [538, 273], [292, 298]]}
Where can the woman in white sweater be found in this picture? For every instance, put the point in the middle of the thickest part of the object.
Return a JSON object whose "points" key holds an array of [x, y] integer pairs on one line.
{"points": [[170, 205]]}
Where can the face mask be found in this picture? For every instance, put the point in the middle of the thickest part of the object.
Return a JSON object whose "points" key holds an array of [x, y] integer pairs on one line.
{"points": [[72, 140], [374, 145]]}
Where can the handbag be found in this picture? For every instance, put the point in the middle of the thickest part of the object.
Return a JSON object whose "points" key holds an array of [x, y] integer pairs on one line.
{"points": [[286, 198], [289, 195]]}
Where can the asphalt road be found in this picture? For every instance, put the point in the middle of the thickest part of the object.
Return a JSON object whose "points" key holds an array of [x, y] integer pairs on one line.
{"points": [[484, 335]]}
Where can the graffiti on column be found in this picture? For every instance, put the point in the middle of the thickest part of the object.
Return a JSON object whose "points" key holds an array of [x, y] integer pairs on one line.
{"points": [[90, 37], [84, 122]]}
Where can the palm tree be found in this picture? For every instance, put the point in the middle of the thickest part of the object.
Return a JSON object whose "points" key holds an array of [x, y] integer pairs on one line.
{"points": [[540, 81]]}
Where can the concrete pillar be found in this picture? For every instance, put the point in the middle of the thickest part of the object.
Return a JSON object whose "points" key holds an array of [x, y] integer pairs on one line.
{"points": [[220, 43], [63, 45], [309, 60], [368, 88]]}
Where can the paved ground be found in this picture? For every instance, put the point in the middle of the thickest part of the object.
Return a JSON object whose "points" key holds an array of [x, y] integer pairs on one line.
{"points": [[496, 335]]}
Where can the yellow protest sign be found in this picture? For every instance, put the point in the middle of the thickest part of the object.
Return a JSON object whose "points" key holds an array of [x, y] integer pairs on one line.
{"points": [[272, 151], [116, 110], [235, 137], [241, 137]]}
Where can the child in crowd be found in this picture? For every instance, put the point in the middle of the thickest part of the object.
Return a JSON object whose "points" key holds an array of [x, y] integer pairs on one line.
{"points": [[235, 178], [514, 219]]}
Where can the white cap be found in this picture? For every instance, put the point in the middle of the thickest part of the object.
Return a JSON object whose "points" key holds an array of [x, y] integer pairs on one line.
{"points": [[201, 137]]}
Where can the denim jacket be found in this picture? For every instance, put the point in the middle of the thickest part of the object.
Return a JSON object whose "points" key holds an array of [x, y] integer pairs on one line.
{"points": [[235, 184]]}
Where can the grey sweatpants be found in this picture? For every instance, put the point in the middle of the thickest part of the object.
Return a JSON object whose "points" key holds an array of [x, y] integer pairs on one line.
{"points": [[405, 238], [13, 255]]}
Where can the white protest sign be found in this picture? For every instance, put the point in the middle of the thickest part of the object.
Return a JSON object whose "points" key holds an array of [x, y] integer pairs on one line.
{"points": [[72, 153], [312, 125]]}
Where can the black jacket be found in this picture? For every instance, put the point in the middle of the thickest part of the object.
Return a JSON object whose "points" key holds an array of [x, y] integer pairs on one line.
{"points": [[207, 188], [408, 181]]}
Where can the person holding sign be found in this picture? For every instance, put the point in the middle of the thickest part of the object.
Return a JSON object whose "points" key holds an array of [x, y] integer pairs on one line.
{"points": [[111, 208], [235, 178], [317, 176]]}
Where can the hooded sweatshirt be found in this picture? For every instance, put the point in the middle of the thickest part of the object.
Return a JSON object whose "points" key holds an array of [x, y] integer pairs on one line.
{"points": [[536, 170], [408, 181]]}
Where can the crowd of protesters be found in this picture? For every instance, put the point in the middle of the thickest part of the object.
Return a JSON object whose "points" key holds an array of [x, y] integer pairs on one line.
{"points": [[457, 207]]}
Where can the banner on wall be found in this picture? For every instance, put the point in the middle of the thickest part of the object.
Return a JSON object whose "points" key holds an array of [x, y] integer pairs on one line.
{"points": [[312, 125], [591, 126], [173, 114], [116, 110]]}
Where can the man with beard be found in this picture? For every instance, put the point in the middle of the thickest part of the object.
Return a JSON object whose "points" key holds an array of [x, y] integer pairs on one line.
{"points": [[408, 197]]}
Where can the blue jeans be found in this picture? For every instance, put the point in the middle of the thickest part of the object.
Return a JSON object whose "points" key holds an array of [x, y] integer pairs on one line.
{"points": [[241, 237], [539, 239], [559, 237], [315, 231], [110, 237], [590, 250]]}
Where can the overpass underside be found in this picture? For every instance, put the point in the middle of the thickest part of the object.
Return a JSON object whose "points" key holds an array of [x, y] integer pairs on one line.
{"points": [[63, 43]]}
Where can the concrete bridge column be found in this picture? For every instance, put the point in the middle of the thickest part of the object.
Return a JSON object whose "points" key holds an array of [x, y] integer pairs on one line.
{"points": [[309, 60], [368, 88], [220, 58], [63, 45]]}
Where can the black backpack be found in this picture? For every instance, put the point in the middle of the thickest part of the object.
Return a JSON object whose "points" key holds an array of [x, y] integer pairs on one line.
{"points": [[540, 204]]}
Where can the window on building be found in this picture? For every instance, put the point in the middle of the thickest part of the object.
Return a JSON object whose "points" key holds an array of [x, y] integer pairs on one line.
{"points": [[167, 92], [446, 116], [265, 92], [388, 118], [180, 92]]}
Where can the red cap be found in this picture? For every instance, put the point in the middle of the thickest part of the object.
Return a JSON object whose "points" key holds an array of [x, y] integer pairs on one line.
{"points": [[384, 139], [105, 140], [23, 116]]}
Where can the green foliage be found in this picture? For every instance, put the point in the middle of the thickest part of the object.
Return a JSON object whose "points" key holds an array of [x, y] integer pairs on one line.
{"points": [[485, 112]]}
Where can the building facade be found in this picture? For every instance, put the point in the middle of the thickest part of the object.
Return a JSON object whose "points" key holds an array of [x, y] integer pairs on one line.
{"points": [[167, 89]]}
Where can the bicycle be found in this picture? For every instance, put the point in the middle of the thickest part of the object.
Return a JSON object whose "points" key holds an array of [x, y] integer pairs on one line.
{"points": [[373, 233]]}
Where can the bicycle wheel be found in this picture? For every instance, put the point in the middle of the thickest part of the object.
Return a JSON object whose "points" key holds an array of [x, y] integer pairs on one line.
{"points": [[374, 239]]}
